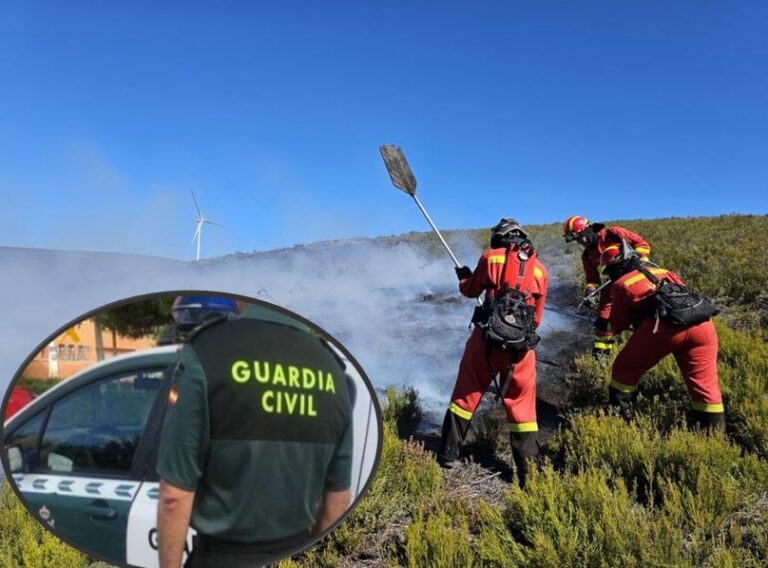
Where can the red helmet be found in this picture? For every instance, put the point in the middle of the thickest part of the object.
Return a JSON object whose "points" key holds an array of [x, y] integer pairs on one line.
{"points": [[612, 254], [574, 225]]}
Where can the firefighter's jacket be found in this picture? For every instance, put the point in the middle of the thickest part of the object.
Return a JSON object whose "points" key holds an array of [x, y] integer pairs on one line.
{"points": [[488, 276], [590, 259], [629, 294]]}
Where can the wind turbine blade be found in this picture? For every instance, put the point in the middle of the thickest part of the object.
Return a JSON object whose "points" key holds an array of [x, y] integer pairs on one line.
{"points": [[197, 232], [197, 206], [212, 223]]}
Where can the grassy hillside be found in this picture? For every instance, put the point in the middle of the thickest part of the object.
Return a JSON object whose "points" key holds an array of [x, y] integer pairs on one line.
{"points": [[648, 492], [723, 257]]}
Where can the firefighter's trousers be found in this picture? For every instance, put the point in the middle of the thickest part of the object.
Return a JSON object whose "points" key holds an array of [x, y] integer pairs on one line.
{"points": [[695, 350], [476, 370]]}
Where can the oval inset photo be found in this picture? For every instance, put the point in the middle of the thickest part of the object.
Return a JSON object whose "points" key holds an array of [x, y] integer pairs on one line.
{"points": [[201, 428]]}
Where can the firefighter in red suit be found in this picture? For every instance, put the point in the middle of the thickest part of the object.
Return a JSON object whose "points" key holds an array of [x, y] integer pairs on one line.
{"points": [[510, 247], [694, 347], [595, 237]]}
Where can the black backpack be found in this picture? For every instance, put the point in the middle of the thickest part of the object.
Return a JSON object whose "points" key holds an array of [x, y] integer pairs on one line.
{"points": [[675, 304], [509, 322]]}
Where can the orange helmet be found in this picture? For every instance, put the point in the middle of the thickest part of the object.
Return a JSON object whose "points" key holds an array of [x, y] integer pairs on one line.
{"points": [[574, 225]]}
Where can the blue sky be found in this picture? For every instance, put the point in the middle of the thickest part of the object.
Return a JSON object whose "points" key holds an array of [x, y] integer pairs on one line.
{"points": [[273, 113]]}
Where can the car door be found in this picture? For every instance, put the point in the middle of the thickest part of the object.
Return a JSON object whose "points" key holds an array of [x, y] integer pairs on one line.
{"points": [[77, 461], [142, 545]]}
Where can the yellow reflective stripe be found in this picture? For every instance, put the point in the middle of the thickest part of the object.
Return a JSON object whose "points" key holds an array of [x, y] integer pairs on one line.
{"points": [[601, 345], [704, 407], [538, 272], [623, 388], [643, 250], [524, 427], [638, 277], [595, 284], [496, 259], [459, 411], [570, 222], [611, 247]]}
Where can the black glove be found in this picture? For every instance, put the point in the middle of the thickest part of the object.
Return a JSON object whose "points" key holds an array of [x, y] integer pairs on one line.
{"points": [[464, 272]]}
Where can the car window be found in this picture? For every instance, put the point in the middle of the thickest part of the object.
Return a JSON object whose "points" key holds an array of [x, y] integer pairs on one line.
{"points": [[21, 446], [97, 428]]}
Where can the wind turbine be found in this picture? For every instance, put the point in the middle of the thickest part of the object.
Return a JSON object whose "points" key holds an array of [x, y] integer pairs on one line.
{"points": [[199, 222]]}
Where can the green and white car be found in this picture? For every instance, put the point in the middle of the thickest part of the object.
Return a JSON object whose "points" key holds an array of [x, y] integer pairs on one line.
{"points": [[83, 455]]}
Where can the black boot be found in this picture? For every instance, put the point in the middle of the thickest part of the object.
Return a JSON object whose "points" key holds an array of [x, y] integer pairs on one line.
{"points": [[455, 430], [622, 401], [709, 421], [525, 447]]}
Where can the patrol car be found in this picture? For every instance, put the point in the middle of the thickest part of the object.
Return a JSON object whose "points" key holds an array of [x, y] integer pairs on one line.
{"points": [[83, 455]]}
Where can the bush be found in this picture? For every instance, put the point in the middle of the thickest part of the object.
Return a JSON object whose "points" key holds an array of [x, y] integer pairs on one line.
{"points": [[402, 410], [583, 519], [438, 541], [24, 543]]}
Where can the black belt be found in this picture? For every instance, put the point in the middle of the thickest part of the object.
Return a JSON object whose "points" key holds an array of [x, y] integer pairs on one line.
{"points": [[212, 544]]}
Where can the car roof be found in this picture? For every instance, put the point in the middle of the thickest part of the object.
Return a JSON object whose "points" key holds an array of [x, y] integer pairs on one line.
{"points": [[156, 356]]}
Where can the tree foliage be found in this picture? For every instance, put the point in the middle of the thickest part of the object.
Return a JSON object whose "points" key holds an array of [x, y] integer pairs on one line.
{"points": [[138, 319]]}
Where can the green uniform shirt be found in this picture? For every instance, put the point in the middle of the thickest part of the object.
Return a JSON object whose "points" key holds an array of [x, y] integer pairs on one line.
{"points": [[259, 425]]}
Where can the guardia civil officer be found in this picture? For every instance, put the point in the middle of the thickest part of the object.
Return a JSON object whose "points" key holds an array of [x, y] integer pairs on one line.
{"points": [[595, 237], [515, 284], [256, 445], [666, 318]]}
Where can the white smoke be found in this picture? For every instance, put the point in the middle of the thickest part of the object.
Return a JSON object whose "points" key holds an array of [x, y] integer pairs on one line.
{"points": [[396, 310]]}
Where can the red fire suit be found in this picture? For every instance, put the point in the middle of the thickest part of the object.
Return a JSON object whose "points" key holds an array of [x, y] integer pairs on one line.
{"points": [[694, 347], [479, 362], [590, 260]]}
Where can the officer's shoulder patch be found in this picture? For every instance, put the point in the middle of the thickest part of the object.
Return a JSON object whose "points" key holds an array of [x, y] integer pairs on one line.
{"points": [[212, 321]]}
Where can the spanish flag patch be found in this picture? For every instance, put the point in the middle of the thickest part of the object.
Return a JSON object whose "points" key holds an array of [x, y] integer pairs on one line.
{"points": [[173, 396]]}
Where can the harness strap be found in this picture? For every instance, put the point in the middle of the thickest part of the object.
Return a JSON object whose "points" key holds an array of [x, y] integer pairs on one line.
{"points": [[523, 274], [656, 282]]}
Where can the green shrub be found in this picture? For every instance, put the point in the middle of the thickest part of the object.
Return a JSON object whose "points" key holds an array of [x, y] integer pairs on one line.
{"points": [[24, 543], [743, 371], [582, 519], [402, 410], [438, 541], [494, 544]]}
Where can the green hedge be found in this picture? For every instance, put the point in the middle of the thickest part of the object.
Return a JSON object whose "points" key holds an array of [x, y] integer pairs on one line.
{"points": [[24, 543]]}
